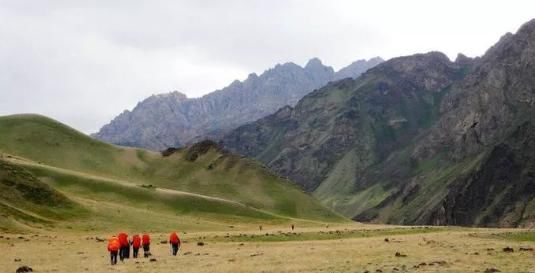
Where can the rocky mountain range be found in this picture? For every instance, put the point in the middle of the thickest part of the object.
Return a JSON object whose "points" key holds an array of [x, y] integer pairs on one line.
{"points": [[415, 140], [173, 120]]}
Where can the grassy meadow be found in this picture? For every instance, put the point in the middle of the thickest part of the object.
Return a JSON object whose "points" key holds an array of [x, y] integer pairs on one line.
{"points": [[336, 248]]}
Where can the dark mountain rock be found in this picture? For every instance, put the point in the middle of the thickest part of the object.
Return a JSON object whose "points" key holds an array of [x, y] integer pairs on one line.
{"points": [[415, 140], [172, 120], [499, 191], [200, 148]]}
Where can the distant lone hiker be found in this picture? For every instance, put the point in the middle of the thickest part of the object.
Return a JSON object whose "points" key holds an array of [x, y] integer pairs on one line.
{"points": [[125, 246], [136, 244], [293, 226], [175, 242], [113, 248], [145, 242]]}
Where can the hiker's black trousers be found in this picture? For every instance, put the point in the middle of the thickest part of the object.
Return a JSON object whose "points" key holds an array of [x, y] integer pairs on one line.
{"points": [[135, 251], [123, 253], [175, 249], [113, 257], [146, 250]]}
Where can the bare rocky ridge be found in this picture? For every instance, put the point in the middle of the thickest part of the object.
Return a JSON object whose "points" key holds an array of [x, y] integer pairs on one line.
{"points": [[415, 140], [172, 120]]}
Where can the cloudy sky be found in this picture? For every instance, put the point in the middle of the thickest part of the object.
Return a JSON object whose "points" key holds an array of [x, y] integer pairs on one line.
{"points": [[83, 62]]}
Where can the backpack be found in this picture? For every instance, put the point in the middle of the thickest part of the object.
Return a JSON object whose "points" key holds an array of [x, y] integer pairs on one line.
{"points": [[136, 241], [146, 239]]}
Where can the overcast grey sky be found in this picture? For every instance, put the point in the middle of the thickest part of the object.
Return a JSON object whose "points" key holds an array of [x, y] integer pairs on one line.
{"points": [[84, 62]]}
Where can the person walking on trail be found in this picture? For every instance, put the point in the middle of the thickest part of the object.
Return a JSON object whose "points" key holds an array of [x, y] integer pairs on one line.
{"points": [[136, 244], [125, 246], [113, 248], [293, 227], [175, 242], [145, 242]]}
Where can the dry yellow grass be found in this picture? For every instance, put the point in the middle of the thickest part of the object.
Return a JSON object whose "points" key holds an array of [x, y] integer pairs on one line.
{"points": [[443, 250]]}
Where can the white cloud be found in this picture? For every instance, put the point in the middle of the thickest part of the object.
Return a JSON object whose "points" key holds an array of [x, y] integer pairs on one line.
{"points": [[83, 62]]}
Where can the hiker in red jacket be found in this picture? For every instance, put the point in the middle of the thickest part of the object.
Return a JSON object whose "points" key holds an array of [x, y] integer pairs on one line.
{"points": [[113, 248], [125, 246], [145, 242], [136, 243], [175, 242]]}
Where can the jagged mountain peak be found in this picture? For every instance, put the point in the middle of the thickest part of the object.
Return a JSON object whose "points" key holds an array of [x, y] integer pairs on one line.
{"points": [[287, 65], [252, 76], [172, 119], [180, 95], [357, 67], [376, 59], [461, 58], [528, 27], [417, 60], [175, 95], [313, 63]]}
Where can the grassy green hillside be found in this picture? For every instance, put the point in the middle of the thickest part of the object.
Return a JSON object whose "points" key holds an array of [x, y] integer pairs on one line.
{"points": [[25, 200], [198, 182]]}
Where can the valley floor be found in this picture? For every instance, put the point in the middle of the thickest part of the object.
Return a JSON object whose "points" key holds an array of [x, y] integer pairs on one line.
{"points": [[341, 248]]}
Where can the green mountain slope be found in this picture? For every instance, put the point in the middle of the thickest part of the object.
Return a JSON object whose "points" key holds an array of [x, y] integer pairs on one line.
{"points": [[200, 181], [415, 140], [25, 200]]}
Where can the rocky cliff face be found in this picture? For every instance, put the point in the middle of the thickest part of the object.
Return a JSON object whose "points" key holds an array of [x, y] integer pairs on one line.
{"points": [[500, 191], [415, 140], [172, 120]]}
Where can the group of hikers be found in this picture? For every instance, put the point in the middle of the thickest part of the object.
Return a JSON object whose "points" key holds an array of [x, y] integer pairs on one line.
{"points": [[120, 246]]}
